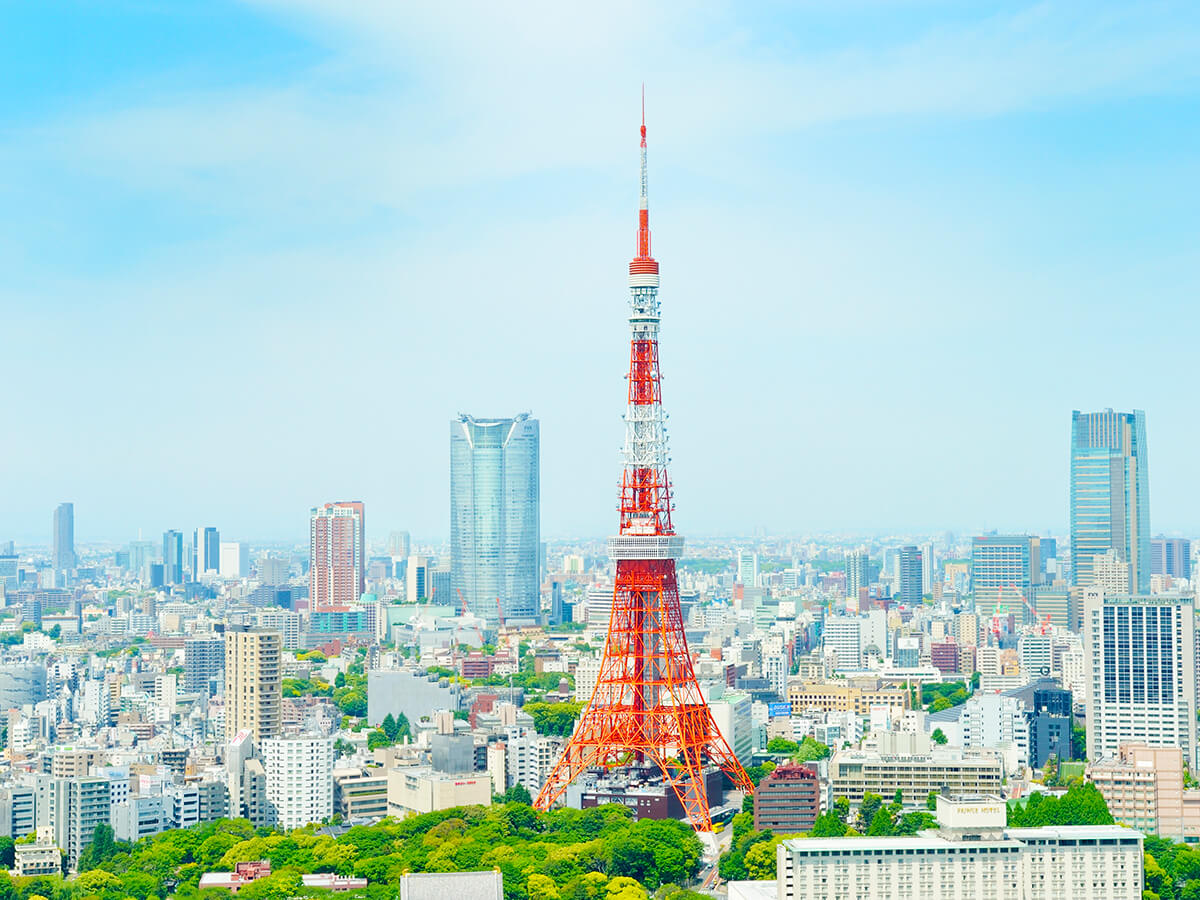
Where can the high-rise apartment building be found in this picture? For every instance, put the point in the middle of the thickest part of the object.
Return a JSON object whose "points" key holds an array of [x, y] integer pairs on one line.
{"points": [[253, 683], [64, 537], [338, 559], [1110, 494], [203, 658], [912, 575], [1004, 568], [299, 780], [843, 635], [858, 572], [495, 519], [206, 552], [1141, 675], [172, 557], [1171, 556]]}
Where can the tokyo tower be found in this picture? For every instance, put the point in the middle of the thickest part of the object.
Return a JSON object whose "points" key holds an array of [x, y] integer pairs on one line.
{"points": [[647, 708]]}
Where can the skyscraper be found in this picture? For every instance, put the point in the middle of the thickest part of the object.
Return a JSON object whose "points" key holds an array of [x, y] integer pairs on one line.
{"points": [[1110, 494], [253, 683], [912, 575], [495, 521], [337, 554], [858, 572], [64, 537], [206, 552], [172, 557], [1141, 675], [747, 568]]}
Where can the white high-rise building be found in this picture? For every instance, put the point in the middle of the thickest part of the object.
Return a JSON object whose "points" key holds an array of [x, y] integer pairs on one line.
{"points": [[747, 568], [843, 635], [1141, 678], [234, 560], [299, 780]]}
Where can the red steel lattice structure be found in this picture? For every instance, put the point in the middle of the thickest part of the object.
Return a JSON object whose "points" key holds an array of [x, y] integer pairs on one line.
{"points": [[647, 707]]}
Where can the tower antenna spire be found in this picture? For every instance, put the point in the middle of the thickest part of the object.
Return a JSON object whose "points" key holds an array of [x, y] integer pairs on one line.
{"points": [[643, 244]]}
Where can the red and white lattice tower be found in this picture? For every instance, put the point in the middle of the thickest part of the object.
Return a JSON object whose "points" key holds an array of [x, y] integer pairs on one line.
{"points": [[647, 707]]}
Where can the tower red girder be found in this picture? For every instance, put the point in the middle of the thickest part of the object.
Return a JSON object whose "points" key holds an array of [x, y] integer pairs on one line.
{"points": [[647, 705]]}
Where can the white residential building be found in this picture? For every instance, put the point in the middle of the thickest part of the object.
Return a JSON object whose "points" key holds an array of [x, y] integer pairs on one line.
{"points": [[299, 779], [1141, 681], [993, 721], [529, 757]]}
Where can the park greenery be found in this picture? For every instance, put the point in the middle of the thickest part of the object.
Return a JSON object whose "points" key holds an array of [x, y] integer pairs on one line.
{"points": [[595, 854], [554, 718], [807, 750], [936, 696], [1082, 804]]}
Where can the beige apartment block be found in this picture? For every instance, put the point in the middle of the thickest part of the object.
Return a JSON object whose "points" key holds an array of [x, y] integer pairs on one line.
{"points": [[1143, 786]]}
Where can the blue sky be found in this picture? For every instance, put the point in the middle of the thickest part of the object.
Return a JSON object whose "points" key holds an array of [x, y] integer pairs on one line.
{"points": [[257, 255]]}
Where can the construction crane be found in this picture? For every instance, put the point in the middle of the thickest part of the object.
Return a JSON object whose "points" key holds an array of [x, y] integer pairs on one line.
{"points": [[463, 612]]}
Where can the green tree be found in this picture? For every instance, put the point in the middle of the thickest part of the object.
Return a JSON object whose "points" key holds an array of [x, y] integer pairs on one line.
{"points": [[782, 745], [811, 749], [828, 825], [871, 804], [1157, 880], [898, 798], [939, 736], [881, 823], [8, 856], [912, 822], [931, 801], [939, 704], [841, 809], [518, 793], [760, 861]]}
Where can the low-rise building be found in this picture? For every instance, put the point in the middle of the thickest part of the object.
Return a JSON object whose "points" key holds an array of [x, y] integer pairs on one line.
{"points": [[972, 856], [912, 764], [360, 794], [857, 696], [420, 789], [42, 857]]}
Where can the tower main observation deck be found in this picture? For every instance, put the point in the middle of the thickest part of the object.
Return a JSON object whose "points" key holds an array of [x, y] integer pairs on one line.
{"points": [[647, 708]]}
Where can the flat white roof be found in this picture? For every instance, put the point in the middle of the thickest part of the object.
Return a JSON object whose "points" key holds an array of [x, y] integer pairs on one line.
{"points": [[929, 840]]}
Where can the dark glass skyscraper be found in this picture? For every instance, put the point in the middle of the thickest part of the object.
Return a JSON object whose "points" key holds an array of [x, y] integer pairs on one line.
{"points": [[64, 537], [1110, 494], [912, 575], [495, 530], [173, 557]]}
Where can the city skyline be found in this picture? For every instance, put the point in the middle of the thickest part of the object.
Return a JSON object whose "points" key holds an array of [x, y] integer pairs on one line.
{"points": [[860, 208]]}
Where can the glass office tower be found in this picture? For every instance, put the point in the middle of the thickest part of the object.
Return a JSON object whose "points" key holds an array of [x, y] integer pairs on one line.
{"points": [[1110, 494], [495, 530]]}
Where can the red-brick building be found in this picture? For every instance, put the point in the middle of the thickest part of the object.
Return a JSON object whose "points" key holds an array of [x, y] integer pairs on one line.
{"points": [[788, 800]]}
